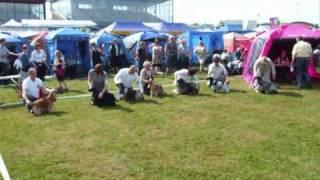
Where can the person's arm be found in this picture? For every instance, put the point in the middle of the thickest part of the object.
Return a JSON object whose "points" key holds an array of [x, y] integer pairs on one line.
{"points": [[142, 77], [138, 80], [273, 70], [24, 93], [210, 71], [294, 51], [90, 81]]}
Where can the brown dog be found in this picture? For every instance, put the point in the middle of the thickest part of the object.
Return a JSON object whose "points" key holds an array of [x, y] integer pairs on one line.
{"points": [[156, 90], [44, 105]]}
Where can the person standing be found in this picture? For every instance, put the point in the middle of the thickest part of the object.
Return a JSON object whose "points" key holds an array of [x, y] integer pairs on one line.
{"points": [[4, 61], [157, 55], [24, 59], [95, 55], [171, 52], [114, 53], [59, 66], [201, 52], [301, 57], [184, 55], [141, 54], [39, 61]]}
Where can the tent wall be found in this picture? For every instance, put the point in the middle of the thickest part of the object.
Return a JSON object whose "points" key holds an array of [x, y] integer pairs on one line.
{"points": [[106, 40], [213, 42], [72, 48]]}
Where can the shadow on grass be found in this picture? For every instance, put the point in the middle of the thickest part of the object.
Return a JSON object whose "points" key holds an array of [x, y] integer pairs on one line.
{"points": [[10, 106], [118, 107], [145, 101], [55, 113], [238, 91], [289, 94]]}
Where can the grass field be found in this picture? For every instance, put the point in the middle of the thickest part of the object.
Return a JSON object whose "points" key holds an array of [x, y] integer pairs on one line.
{"points": [[241, 135]]}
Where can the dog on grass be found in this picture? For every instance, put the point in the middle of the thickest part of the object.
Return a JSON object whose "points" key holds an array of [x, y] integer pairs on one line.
{"points": [[44, 105], [156, 90]]}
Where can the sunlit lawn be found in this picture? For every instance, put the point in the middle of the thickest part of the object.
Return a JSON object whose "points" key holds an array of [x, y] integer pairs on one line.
{"points": [[241, 135]]}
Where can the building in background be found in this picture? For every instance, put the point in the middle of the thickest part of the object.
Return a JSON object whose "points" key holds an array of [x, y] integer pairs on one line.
{"points": [[104, 12], [22, 9]]}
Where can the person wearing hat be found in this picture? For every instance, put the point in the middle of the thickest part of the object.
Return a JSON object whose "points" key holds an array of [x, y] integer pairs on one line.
{"points": [[186, 82], [4, 61], [39, 61], [263, 69], [217, 77], [147, 75]]}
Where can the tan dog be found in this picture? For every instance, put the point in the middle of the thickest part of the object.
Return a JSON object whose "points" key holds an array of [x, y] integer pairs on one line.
{"points": [[44, 105], [156, 90]]}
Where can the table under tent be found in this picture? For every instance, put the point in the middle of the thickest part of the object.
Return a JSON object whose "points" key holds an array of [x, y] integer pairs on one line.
{"points": [[275, 41], [73, 44]]}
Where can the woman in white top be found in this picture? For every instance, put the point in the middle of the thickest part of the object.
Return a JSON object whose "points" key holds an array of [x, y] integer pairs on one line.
{"points": [[201, 53], [39, 61]]}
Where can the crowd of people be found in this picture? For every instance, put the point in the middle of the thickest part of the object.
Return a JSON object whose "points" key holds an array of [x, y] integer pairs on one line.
{"points": [[33, 69]]}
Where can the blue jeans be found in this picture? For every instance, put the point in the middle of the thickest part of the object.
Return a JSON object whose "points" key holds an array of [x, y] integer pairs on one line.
{"points": [[303, 78]]}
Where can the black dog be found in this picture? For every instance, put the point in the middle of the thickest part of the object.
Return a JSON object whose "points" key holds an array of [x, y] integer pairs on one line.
{"points": [[108, 99]]}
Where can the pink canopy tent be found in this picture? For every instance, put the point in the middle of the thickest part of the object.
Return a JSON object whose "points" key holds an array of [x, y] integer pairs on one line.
{"points": [[283, 37], [232, 41]]}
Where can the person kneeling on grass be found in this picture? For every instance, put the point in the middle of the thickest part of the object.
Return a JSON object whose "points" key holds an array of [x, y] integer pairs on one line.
{"points": [[186, 82], [262, 69], [123, 79], [32, 89], [98, 85], [147, 76], [218, 79]]}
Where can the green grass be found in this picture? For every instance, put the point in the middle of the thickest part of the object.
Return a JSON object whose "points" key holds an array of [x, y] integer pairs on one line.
{"points": [[241, 135]]}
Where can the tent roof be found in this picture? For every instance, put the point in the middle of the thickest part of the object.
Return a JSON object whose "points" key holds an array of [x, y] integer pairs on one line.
{"points": [[298, 29], [104, 37], [9, 38], [11, 23], [233, 35], [66, 32], [57, 23], [123, 26], [170, 27]]}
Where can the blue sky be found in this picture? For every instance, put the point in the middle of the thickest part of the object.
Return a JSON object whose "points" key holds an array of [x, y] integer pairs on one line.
{"points": [[211, 11]]}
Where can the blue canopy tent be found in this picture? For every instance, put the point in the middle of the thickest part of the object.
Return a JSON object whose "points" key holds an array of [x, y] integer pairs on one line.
{"points": [[132, 42], [171, 28], [13, 43], [72, 43], [236, 28], [213, 42], [123, 28], [106, 39]]}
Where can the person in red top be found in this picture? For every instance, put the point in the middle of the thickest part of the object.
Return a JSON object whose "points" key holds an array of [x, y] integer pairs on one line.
{"points": [[59, 65]]}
